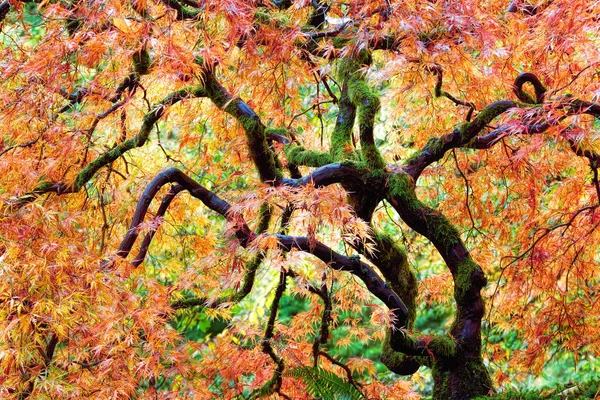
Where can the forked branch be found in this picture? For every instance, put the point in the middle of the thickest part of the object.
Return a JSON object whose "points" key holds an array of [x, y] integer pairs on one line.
{"points": [[245, 236]]}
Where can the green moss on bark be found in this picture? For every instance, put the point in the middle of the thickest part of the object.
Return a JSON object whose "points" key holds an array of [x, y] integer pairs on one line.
{"points": [[276, 131], [255, 136], [342, 146], [442, 346], [427, 221], [397, 362], [366, 100], [402, 186], [311, 158], [141, 61], [460, 378], [469, 129], [469, 278], [393, 263]]}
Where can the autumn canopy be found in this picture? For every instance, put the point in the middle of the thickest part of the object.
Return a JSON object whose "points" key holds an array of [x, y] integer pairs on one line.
{"points": [[297, 199]]}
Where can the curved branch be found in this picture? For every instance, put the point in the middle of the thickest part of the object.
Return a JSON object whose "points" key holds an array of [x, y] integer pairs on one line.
{"points": [[468, 276], [113, 154], [261, 154], [466, 134], [377, 286], [317, 18], [328, 175], [490, 139], [366, 100], [435, 148], [436, 69], [527, 9], [528, 77], [172, 175], [4, 9], [393, 263], [131, 235]]}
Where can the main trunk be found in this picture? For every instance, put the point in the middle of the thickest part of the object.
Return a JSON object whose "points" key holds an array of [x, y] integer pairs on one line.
{"points": [[459, 378]]}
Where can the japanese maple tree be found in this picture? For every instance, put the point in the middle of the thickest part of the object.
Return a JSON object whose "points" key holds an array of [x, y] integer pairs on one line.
{"points": [[161, 159]]}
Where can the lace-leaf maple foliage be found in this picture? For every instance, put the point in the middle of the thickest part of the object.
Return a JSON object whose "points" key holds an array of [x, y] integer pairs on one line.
{"points": [[161, 159]]}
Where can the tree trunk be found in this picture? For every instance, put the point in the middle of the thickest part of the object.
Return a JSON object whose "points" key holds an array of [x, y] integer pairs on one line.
{"points": [[460, 377]]}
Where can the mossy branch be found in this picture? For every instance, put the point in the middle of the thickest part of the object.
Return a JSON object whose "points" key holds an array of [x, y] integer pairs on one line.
{"points": [[86, 174], [141, 61], [435, 148], [260, 153], [342, 146], [393, 263], [540, 90], [245, 235], [297, 155], [468, 276], [396, 360], [366, 100]]}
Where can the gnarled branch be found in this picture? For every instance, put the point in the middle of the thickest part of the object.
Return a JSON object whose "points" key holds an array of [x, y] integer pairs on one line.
{"points": [[400, 340]]}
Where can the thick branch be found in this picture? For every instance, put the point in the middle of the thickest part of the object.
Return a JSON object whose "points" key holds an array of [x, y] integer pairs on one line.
{"points": [[468, 277], [540, 90], [490, 139], [4, 9], [256, 140], [366, 100], [329, 174], [287, 243], [317, 18], [298, 155], [342, 146], [393, 263]]}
